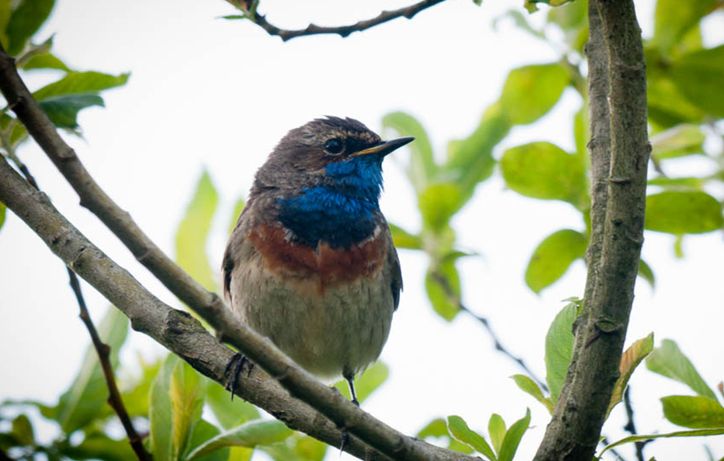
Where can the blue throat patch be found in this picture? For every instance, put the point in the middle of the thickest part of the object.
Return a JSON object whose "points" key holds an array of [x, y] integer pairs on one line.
{"points": [[341, 212]]}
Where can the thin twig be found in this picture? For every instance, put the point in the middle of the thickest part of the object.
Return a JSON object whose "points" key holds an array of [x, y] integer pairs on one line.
{"points": [[102, 349], [630, 426], [443, 282], [250, 13]]}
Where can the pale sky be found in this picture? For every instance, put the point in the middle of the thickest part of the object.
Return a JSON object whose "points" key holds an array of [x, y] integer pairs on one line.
{"points": [[208, 93]]}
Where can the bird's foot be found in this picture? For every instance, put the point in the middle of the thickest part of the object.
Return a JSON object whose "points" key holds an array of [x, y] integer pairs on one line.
{"points": [[234, 370]]}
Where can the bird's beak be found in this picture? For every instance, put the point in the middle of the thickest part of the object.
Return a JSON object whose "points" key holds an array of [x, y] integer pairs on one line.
{"points": [[385, 148]]}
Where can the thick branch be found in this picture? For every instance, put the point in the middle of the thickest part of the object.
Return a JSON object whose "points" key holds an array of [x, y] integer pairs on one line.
{"points": [[576, 426], [185, 336], [408, 12]]}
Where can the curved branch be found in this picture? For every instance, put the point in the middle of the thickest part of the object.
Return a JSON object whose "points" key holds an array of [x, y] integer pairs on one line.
{"points": [[294, 404], [408, 12], [576, 426]]}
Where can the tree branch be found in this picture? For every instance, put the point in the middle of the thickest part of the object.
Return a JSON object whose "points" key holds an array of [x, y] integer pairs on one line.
{"points": [[630, 426], [250, 12], [576, 425], [184, 335], [103, 350]]}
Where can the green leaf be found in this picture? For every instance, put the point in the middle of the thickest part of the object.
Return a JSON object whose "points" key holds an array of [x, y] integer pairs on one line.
{"points": [[497, 430], [5, 12], [403, 238], [678, 141], [436, 429], [310, 449], [470, 160], [87, 396], [368, 382], [545, 171], [531, 91], [236, 213], [552, 258], [669, 361], [46, 60], [248, 435], [421, 168], [683, 212], [99, 446], [80, 83], [444, 303], [229, 413], [673, 18], [630, 359], [63, 110], [694, 411], [642, 438], [203, 433], [646, 273], [135, 397], [513, 437], [22, 430], [438, 203], [25, 20], [698, 76], [3, 214], [559, 348], [459, 429], [193, 232], [531, 388]]}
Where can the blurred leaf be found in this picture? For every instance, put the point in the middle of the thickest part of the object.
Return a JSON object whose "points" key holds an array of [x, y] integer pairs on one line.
{"points": [[669, 361], [580, 129], [572, 15], [531, 91], [236, 213], [496, 429], [470, 160], [229, 413], [437, 428], [88, 394], [5, 12], [80, 83], [530, 387], [249, 434], [545, 171], [310, 449], [135, 397], [22, 430], [552, 258], [3, 214], [444, 303], [683, 212], [46, 60], [688, 182], [193, 232], [630, 359], [559, 349], [63, 110], [646, 273], [438, 203], [641, 438], [678, 141], [667, 105], [679, 247], [24, 21], [673, 18], [368, 382], [521, 22], [694, 411], [698, 76], [99, 446], [421, 168], [202, 434], [513, 437], [402, 238], [187, 392], [459, 429]]}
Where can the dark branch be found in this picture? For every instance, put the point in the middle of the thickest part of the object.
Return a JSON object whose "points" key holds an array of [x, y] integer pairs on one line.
{"points": [[408, 12], [630, 426], [174, 329], [442, 281], [617, 229], [103, 350]]}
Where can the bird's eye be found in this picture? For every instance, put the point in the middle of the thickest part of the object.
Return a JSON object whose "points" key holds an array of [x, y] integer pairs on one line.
{"points": [[334, 146]]}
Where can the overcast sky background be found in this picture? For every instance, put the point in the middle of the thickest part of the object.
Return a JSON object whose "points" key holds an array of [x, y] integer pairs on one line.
{"points": [[214, 94]]}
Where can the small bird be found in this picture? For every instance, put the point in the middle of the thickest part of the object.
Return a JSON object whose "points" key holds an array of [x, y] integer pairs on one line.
{"points": [[311, 264]]}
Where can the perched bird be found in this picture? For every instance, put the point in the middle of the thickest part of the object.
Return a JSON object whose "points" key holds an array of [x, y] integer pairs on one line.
{"points": [[311, 264]]}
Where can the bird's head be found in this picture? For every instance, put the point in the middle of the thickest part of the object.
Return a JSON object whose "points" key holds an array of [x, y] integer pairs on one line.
{"points": [[338, 153]]}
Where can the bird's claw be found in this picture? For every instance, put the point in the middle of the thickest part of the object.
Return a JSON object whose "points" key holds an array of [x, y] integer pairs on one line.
{"points": [[234, 370]]}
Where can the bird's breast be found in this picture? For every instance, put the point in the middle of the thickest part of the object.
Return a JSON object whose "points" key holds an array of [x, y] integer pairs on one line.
{"points": [[324, 265]]}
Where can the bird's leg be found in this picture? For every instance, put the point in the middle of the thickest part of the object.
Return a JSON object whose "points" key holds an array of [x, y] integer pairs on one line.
{"points": [[233, 371], [350, 382]]}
